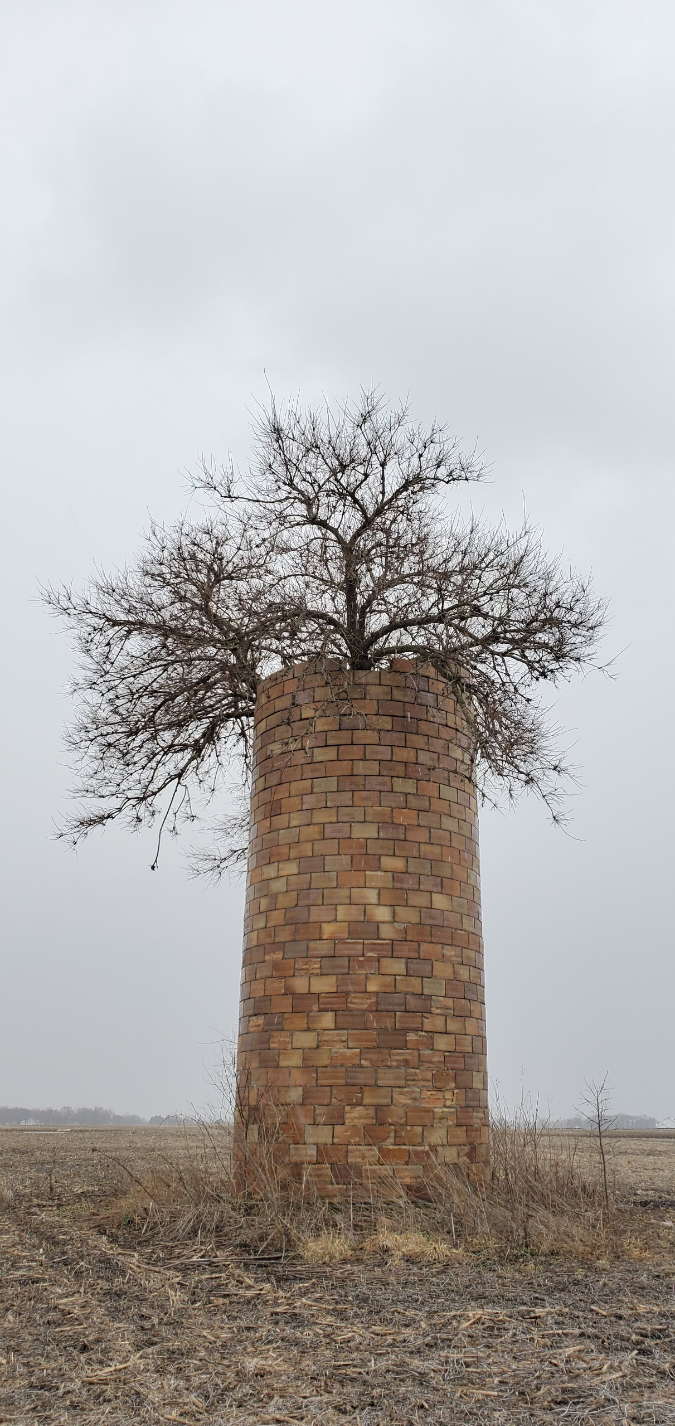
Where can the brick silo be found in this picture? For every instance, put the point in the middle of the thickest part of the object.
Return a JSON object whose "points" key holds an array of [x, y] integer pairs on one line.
{"points": [[362, 989]]}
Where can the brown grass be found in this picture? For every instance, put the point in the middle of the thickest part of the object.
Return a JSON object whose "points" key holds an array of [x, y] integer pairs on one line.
{"points": [[546, 1195]]}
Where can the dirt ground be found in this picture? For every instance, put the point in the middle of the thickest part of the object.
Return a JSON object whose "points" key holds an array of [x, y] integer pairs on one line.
{"points": [[101, 1327]]}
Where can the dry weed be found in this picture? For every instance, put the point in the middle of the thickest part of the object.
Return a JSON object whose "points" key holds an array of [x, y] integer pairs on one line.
{"points": [[541, 1198], [334, 1246], [413, 1246]]}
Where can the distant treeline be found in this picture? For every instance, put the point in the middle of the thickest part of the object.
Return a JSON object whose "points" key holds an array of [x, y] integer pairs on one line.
{"points": [[617, 1121], [93, 1118]]}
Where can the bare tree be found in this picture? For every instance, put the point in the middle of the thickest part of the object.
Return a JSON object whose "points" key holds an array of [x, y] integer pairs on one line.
{"points": [[337, 544], [598, 1113]]}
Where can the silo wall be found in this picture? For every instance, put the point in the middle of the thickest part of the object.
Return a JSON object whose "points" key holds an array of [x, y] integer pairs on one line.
{"points": [[362, 1033]]}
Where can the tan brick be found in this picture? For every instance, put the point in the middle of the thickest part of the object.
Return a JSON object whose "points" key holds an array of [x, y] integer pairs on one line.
{"points": [[315, 1058], [287, 1058], [362, 1154], [393, 965], [302, 1153], [376, 1094], [318, 1133], [321, 1020], [381, 982]]}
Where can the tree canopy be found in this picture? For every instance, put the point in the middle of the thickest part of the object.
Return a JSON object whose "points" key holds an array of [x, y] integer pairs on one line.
{"points": [[336, 544]]}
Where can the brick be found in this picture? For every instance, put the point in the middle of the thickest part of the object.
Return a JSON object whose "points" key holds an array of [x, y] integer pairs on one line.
{"points": [[377, 1095], [331, 1153], [381, 982], [286, 1058], [318, 1133], [302, 1153], [348, 1134], [379, 1133], [362, 1154], [329, 1114], [303, 1038]]}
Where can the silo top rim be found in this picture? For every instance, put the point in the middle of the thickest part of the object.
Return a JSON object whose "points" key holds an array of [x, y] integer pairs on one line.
{"points": [[333, 666]]}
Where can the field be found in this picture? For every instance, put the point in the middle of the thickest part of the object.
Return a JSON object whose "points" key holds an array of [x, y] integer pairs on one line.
{"points": [[103, 1322]]}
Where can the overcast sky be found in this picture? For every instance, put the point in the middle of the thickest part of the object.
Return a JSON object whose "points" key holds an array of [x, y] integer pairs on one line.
{"points": [[468, 202]]}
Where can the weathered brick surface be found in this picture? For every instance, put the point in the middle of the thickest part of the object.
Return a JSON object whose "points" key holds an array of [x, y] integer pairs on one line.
{"points": [[362, 1008]]}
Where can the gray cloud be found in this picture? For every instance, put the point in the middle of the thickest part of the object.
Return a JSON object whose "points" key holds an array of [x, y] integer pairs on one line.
{"points": [[470, 204]]}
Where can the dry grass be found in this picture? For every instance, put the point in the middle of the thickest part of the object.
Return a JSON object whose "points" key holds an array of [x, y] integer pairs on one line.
{"points": [[135, 1288], [546, 1195]]}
